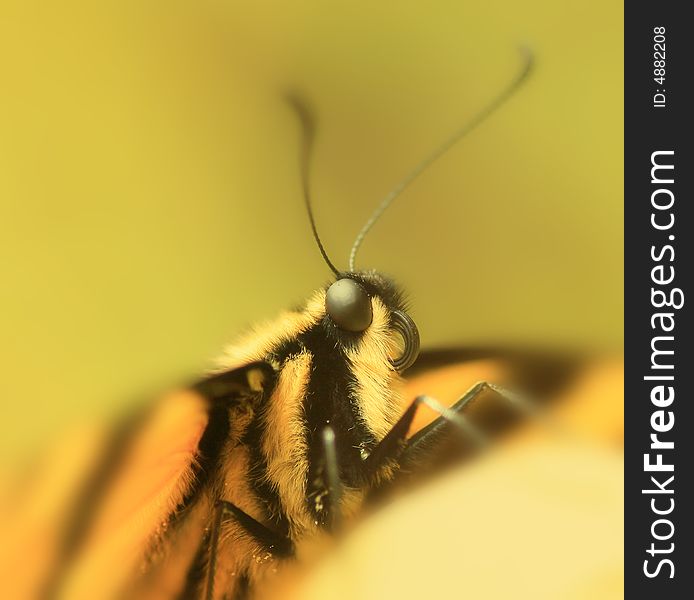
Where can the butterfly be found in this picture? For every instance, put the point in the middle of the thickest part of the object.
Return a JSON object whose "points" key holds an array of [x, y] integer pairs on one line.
{"points": [[306, 422]]}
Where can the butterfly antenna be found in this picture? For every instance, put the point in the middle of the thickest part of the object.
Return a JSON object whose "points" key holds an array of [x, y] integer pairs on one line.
{"points": [[518, 80], [308, 133]]}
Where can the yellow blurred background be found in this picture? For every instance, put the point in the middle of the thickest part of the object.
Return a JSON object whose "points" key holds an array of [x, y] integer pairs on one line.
{"points": [[149, 187]]}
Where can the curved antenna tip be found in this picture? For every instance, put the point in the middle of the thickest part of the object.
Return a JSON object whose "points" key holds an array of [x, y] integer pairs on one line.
{"points": [[506, 93], [528, 54], [308, 128]]}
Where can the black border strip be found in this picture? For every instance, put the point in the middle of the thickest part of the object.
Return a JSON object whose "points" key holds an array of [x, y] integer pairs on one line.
{"points": [[658, 124]]}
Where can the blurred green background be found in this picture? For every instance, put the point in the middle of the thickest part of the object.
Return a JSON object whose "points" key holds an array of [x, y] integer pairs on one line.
{"points": [[149, 187]]}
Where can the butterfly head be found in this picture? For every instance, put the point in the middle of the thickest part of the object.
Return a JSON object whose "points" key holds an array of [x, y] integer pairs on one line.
{"points": [[364, 302]]}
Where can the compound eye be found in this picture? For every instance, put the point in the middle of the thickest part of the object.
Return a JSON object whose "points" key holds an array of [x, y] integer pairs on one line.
{"points": [[348, 305]]}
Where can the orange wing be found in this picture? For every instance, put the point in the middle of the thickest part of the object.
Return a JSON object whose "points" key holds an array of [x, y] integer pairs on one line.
{"points": [[151, 480], [541, 476]]}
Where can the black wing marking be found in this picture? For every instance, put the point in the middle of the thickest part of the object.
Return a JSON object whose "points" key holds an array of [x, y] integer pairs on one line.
{"points": [[221, 390], [536, 373]]}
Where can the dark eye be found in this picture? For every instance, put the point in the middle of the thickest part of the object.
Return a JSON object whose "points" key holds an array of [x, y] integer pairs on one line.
{"points": [[349, 305]]}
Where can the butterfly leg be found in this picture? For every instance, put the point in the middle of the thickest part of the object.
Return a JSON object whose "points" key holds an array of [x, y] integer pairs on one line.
{"points": [[425, 442], [396, 447], [225, 511], [331, 478]]}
